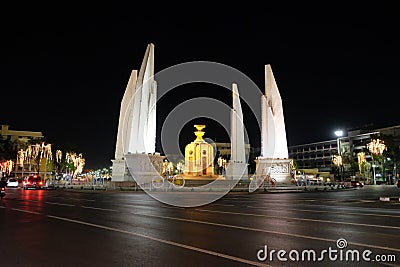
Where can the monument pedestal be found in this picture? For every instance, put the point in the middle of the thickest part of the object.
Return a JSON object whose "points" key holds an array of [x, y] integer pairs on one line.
{"points": [[120, 172], [279, 169], [144, 167], [237, 171]]}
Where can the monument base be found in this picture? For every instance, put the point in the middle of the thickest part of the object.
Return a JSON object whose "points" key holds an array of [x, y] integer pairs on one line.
{"points": [[144, 167], [201, 177], [120, 172], [278, 169], [237, 171]]}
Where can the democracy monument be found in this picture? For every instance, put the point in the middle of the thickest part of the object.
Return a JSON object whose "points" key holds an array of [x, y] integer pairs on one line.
{"points": [[135, 153]]}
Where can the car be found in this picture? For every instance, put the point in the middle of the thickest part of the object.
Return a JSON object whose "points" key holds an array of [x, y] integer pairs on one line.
{"points": [[33, 182], [357, 184], [12, 182]]}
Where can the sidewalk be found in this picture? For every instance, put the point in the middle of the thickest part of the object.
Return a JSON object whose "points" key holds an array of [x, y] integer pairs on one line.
{"points": [[242, 186]]}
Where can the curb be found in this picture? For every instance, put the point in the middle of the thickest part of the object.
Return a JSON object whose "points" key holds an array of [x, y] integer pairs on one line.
{"points": [[308, 190], [389, 199]]}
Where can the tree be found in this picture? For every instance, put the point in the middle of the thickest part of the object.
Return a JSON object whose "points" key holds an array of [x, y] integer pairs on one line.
{"points": [[391, 157], [376, 147]]}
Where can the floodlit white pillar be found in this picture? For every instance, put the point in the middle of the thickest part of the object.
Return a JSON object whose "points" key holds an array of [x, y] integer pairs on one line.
{"points": [[237, 166], [125, 118], [237, 128], [273, 165], [137, 121], [274, 142], [143, 134]]}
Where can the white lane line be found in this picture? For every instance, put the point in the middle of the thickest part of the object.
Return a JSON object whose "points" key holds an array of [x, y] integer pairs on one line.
{"points": [[137, 201], [27, 211], [259, 215], [332, 212], [83, 199], [94, 208], [69, 198], [133, 205], [223, 225], [301, 219], [173, 207], [266, 231], [389, 264], [210, 252], [61, 204]]}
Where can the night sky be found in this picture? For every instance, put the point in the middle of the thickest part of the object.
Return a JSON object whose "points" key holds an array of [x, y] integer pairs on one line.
{"points": [[64, 72]]}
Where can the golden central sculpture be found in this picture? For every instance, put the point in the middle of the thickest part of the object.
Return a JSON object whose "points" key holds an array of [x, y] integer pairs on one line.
{"points": [[199, 156]]}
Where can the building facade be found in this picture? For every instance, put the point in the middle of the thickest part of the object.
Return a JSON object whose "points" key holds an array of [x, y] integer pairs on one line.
{"points": [[14, 140], [320, 155], [224, 150], [8, 135]]}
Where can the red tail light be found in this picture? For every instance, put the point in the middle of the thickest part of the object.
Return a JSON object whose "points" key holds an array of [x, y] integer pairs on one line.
{"points": [[40, 183]]}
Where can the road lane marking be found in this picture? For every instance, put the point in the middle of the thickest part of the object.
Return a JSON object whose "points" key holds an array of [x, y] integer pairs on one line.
{"points": [[266, 231], [219, 225], [280, 205], [389, 264], [335, 212], [61, 204], [273, 232], [94, 208], [210, 252], [300, 219], [69, 198], [173, 207], [83, 199], [27, 211], [137, 201]]}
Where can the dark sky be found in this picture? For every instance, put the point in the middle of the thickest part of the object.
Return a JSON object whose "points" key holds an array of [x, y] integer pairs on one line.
{"points": [[64, 71]]}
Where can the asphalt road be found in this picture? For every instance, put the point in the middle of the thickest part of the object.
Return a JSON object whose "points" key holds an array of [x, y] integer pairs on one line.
{"points": [[105, 228]]}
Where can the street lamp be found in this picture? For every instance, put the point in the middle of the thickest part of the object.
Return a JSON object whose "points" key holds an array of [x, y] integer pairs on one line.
{"points": [[375, 147], [338, 133]]}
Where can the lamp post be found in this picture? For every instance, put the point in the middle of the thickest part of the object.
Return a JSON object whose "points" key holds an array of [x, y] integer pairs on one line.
{"points": [[375, 147], [339, 162], [338, 133]]}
